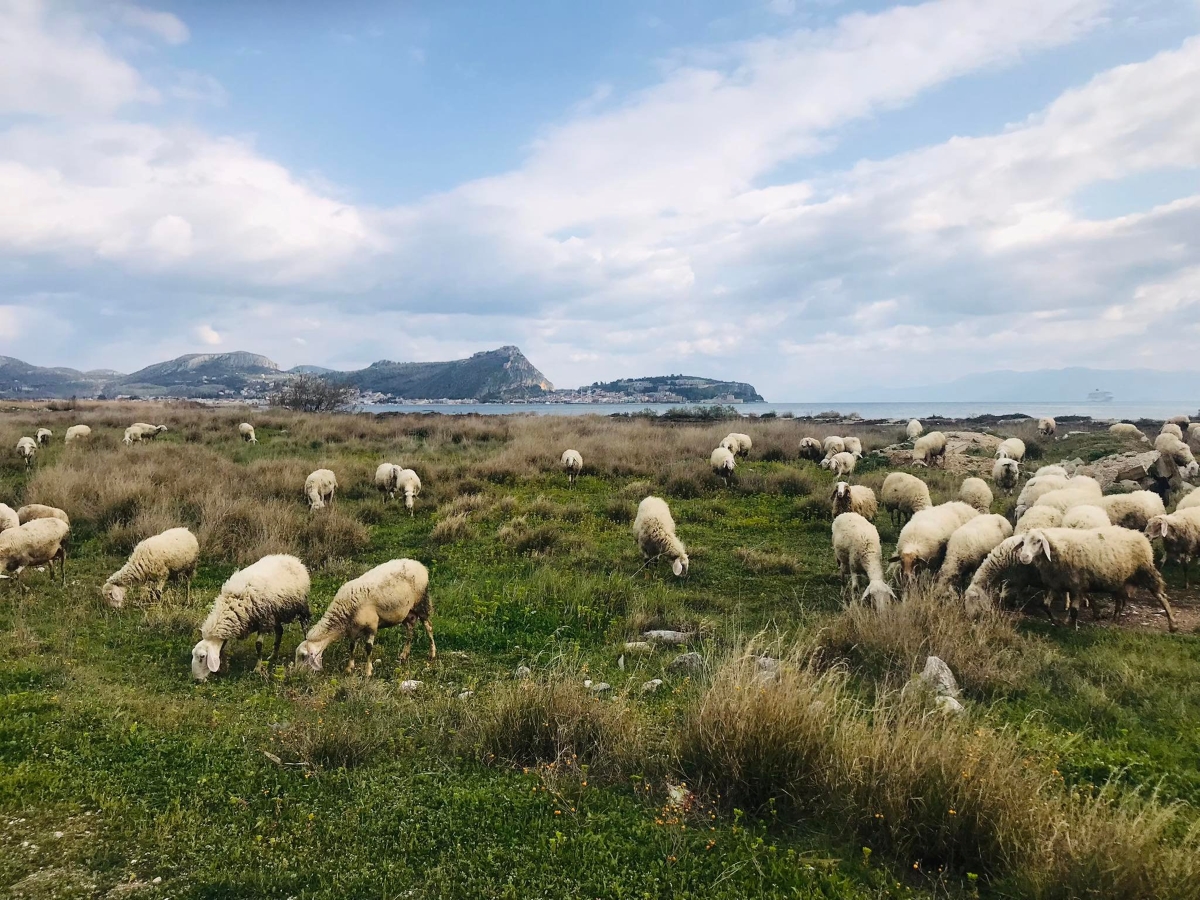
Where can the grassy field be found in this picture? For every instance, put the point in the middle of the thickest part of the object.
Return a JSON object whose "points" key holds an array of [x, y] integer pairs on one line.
{"points": [[1075, 773]]}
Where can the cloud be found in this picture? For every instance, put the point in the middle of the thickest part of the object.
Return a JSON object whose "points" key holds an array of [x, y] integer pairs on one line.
{"points": [[206, 334], [163, 25]]}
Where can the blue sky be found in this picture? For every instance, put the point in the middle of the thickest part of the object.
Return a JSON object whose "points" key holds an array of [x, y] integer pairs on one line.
{"points": [[811, 195]]}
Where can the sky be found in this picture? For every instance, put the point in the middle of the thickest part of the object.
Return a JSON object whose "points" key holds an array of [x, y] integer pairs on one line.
{"points": [[815, 196]]}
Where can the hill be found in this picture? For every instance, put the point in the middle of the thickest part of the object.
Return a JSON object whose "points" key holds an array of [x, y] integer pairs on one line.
{"points": [[20, 379], [673, 388], [202, 375], [503, 374]]}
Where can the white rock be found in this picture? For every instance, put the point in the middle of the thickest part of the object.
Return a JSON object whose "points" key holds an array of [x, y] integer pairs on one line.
{"points": [[523, 672], [938, 678], [686, 662], [949, 705], [466, 695], [411, 686], [652, 685], [665, 636], [599, 687], [639, 647]]}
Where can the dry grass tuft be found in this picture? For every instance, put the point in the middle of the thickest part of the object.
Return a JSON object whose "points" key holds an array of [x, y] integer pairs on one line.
{"points": [[452, 528], [763, 563]]}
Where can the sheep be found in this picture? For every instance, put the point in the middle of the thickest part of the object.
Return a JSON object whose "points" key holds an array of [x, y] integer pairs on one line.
{"points": [[722, 462], [840, 464], [1133, 510], [572, 464], [1006, 473], [1169, 445], [1086, 516], [154, 561], [8, 517], [139, 431], [1047, 427], [1036, 488], [1126, 430], [922, 542], [914, 430], [1085, 483], [1172, 429], [853, 445], [654, 530], [1180, 534], [1002, 561], [40, 511], [1193, 435], [319, 488], [833, 445], [1064, 499], [1182, 421], [856, 548], [854, 498], [393, 593], [43, 437], [903, 495], [1038, 517], [35, 543], [262, 597], [976, 493], [1109, 559], [1051, 470], [928, 449], [133, 435], [737, 443], [246, 430], [27, 449], [969, 546], [811, 448], [1011, 448], [77, 433], [409, 484], [386, 480], [1189, 501]]}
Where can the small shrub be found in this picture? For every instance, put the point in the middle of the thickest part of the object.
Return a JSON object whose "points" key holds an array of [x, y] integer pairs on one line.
{"points": [[342, 742], [620, 511], [520, 537], [791, 483], [767, 563], [452, 528], [331, 535]]}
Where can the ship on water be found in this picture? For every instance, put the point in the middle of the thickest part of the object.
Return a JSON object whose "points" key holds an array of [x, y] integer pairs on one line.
{"points": [[1099, 396]]}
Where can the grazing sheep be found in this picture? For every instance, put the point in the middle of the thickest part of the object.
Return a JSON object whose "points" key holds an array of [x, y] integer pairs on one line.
{"points": [[1051, 470], [387, 480], [922, 542], [1036, 488], [840, 464], [393, 593], [246, 430], [27, 449], [914, 430], [1038, 517], [319, 488], [721, 460], [1109, 559], [140, 431], [856, 498], [1181, 421], [856, 548], [1171, 446], [262, 597], [1006, 473], [1180, 534], [1172, 429], [1064, 499], [1190, 500], [410, 487], [810, 448], [572, 464], [904, 495], [1086, 516], [8, 517], [1011, 448], [928, 449], [737, 443], [654, 530], [976, 493], [853, 445], [153, 562], [968, 547], [1193, 435], [833, 445], [77, 433], [1047, 427], [36, 543], [133, 435], [43, 437], [1133, 510], [1002, 563], [40, 511], [1085, 483], [1126, 430]]}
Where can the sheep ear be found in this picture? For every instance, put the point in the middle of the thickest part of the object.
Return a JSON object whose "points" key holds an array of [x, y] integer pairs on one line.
{"points": [[1046, 548], [213, 658], [894, 559], [677, 567], [1163, 525]]}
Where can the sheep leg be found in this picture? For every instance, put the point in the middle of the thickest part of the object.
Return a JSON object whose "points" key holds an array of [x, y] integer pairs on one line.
{"points": [[62, 564], [370, 645], [1047, 599], [408, 639], [350, 664], [156, 589], [261, 665], [432, 645], [278, 640]]}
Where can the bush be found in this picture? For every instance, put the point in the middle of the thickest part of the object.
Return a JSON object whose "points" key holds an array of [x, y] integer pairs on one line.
{"points": [[452, 528], [767, 563]]}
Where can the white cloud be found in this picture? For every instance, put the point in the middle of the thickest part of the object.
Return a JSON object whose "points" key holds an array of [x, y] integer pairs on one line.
{"points": [[161, 24], [206, 334]]}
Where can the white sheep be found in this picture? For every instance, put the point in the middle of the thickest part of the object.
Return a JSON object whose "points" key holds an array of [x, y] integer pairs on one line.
{"points": [[1174, 448], [43, 437], [387, 480], [969, 546], [409, 484], [853, 445], [1006, 473], [1051, 470], [840, 464], [1011, 448], [246, 430], [722, 462], [928, 449], [922, 542], [811, 448], [8, 517], [737, 443], [393, 593], [260, 598], [654, 530], [36, 543], [1109, 559], [1036, 488], [1126, 430], [914, 430], [976, 493], [1182, 420], [1002, 563], [857, 549], [27, 449], [1066, 498], [903, 495], [77, 433], [1038, 517], [153, 562], [1180, 534], [1133, 510], [1193, 435], [133, 435], [1047, 427], [572, 464], [319, 488], [1172, 429], [32, 511], [856, 498], [1189, 501], [833, 445], [1086, 516]]}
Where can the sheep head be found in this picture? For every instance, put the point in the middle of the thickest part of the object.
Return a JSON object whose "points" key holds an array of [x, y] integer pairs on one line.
{"points": [[206, 659], [1035, 544], [1157, 527], [308, 655], [680, 566], [114, 595]]}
